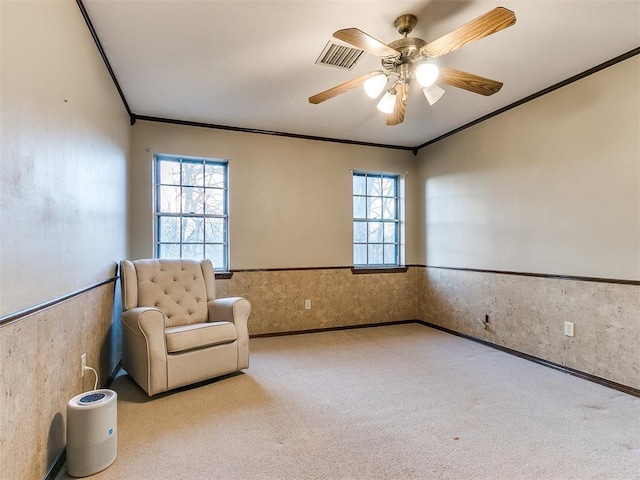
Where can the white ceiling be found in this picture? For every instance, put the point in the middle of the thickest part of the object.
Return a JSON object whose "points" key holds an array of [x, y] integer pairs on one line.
{"points": [[251, 63]]}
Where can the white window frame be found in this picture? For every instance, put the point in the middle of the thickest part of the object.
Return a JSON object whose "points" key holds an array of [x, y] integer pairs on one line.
{"points": [[159, 214]]}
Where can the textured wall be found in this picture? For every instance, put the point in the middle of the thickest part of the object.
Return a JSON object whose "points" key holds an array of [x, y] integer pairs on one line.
{"points": [[528, 314], [40, 372], [338, 298]]}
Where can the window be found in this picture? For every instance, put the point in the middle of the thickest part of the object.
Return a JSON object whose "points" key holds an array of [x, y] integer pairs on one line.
{"points": [[191, 209], [376, 229]]}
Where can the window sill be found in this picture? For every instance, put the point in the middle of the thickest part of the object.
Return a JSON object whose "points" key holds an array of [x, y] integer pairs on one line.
{"points": [[223, 275], [365, 270]]}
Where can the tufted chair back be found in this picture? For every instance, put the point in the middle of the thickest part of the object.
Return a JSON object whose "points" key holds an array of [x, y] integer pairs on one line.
{"points": [[179, 288]]}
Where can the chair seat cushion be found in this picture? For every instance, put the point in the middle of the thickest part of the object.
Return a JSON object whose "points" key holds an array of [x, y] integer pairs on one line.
{"points": [[199, 335]]}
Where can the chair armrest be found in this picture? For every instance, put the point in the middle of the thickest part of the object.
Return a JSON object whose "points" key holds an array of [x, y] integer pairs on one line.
{"points": [[145, 348], [236, 310], [143, 320], [232, 309]]}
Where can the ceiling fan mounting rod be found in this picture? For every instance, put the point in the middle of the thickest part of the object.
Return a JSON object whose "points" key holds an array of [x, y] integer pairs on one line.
{"points": [[405, 23]]}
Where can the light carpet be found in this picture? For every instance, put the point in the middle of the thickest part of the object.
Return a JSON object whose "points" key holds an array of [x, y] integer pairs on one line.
{"points": [[392, 402]]}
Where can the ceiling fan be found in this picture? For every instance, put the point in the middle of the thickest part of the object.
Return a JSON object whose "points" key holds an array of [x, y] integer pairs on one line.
{"points": [[409, 57]]}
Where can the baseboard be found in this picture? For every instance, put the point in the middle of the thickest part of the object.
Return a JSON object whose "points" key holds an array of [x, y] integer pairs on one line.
{"points": [[57, 466], [62, 457], [540, 361]]}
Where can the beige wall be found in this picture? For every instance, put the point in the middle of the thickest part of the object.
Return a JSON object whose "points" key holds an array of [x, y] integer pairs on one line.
{"points": [[65, 141], [552, 186], [290, 199]]}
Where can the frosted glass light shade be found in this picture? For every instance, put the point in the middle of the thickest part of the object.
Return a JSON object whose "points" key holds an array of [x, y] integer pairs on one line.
{"points": [[427, 74], [373, 86], [433, 93], [387, 103]]}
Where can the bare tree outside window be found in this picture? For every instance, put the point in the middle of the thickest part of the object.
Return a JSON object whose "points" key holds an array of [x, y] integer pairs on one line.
{"points": [[191, 209], [376, 237]]}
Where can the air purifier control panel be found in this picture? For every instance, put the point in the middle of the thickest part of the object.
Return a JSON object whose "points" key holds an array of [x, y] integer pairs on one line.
{"points": [[92, 398]]}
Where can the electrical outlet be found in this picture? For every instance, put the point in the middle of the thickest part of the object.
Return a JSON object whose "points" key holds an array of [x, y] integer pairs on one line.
{"points": [[84, 363], [307, 304], [568, 329]]}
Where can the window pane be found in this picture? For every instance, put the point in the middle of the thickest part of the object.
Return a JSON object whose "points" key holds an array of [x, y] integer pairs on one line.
{"points": [[169, 172], [191, 209], [359, 185], [169, 250], [374, 207], [375, 232], [193, 200], [214, 202], [360, 254], [374, 185], [215, 253], [390, 233], [194, 251], [375, 254], [359, 207], [214, 175], [193, 229], [214, 230], [192, 173], [390, 257], [377, 194], [169, 199], [360, 232], [169, 229], [389, 208], [389, 187]]}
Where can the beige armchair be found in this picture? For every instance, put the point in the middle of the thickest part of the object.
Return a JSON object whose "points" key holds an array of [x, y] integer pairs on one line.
{"points": [[175, 332]]}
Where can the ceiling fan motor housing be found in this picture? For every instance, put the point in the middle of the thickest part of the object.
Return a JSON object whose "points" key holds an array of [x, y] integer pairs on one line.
{"points": [[408, 48]]}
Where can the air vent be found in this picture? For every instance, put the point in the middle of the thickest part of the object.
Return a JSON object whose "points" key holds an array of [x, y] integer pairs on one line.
{"points": [[339, 56]]}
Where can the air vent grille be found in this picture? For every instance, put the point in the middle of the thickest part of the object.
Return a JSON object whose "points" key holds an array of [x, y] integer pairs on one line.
{"points": [[339, 56]]}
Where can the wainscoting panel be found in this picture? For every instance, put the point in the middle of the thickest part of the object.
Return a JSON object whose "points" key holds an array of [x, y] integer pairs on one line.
{"points": [[40, 371], [527, 314], [338, 298]]}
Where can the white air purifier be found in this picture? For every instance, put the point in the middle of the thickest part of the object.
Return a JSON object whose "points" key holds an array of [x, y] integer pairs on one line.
{"points": [[92, 432]]}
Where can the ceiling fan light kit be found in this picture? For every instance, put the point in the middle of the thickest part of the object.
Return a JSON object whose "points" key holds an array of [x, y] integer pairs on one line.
{"points": [[375, 84], [433, 93], [409, 57], [387, 103], [426, 74]]}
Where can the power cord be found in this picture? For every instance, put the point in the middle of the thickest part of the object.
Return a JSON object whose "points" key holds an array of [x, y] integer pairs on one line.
{"points": [[95, 386]]}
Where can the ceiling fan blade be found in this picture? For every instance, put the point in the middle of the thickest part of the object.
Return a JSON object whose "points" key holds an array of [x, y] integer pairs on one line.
{"points": [[365, 42], [397, 116], [491, 22], [338, 89], [468, 81]]}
